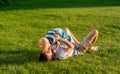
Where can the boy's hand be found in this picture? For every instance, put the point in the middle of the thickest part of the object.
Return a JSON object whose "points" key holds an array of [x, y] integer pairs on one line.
{"points": [[57, 36]]}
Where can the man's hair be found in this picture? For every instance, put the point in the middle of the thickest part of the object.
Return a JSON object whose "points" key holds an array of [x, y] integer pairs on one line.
{"points": [[43, 57]]}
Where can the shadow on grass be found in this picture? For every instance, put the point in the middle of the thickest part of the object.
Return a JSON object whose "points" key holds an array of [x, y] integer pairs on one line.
{"points": [[34, 4], [18, 57]]}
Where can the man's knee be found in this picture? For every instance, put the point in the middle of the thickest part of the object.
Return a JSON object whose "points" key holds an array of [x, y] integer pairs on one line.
{"points": [[95, 32]]}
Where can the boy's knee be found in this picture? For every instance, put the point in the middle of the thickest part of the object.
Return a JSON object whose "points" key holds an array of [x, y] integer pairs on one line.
{"points": [[66, 29]]}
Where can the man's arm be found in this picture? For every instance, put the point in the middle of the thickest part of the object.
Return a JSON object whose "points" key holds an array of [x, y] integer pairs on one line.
{"points": [[55, 48], [70, 45]]}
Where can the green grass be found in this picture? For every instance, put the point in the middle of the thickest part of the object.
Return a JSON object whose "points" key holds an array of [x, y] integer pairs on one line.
{"points": [[24, 22]]}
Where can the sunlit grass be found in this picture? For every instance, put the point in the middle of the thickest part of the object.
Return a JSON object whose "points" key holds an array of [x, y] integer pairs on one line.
{"points": [[21, 29]]}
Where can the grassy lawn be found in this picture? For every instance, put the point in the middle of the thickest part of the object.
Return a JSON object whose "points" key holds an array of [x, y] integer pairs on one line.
{"points": [[24, 22]]}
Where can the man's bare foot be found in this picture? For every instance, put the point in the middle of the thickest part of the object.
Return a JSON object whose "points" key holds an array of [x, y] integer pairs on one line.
{"points": [[93, 48]]}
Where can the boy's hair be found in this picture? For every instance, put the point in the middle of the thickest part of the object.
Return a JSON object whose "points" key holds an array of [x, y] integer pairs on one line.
{"points": [[43, 42]]}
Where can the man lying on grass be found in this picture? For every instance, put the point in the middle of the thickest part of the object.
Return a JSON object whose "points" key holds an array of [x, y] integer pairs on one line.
{"points": [[68, 48]]}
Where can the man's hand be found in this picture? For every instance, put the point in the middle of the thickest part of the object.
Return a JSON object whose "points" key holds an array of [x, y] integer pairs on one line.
{"points": [[57, 36]]}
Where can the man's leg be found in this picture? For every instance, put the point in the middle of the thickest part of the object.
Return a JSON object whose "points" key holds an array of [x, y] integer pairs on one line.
{"points": [[89, 40], [92, 48], [92, 36]]}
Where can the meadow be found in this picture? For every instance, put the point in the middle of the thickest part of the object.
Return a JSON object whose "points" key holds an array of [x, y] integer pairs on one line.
{"points": [[24, 22]]}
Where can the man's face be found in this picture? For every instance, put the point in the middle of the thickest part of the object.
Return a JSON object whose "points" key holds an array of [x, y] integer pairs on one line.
{"points": [[48, 54]]}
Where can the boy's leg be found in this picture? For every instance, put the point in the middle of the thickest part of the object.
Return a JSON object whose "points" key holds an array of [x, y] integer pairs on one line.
{"points": [[89, 40], [69, 33]]}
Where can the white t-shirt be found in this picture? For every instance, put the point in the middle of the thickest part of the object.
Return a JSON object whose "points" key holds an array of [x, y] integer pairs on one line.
{"points": [[61, 52]]}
